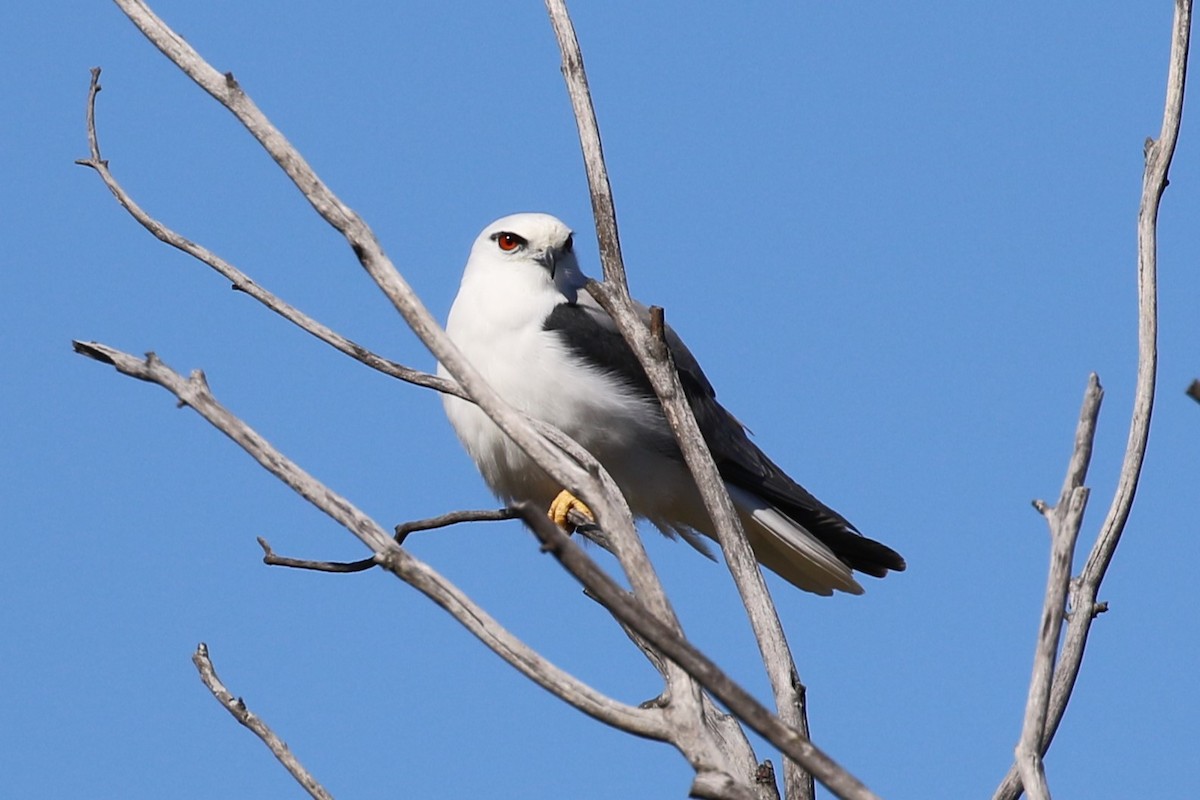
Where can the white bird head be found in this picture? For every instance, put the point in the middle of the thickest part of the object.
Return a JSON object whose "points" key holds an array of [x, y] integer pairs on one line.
{"points": [[527, 247]]}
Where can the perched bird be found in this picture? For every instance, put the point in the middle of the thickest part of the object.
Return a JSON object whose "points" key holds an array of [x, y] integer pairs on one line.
{"points": [[523, 318]]}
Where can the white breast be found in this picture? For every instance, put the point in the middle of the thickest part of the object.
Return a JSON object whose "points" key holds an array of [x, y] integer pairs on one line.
{"points": [[532, 370]]}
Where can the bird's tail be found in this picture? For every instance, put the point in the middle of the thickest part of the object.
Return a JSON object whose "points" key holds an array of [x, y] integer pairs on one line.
{"points": [[786, 548]]}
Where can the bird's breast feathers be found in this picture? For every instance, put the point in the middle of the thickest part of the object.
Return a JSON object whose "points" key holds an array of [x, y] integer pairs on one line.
{"points": [[536, 372]]}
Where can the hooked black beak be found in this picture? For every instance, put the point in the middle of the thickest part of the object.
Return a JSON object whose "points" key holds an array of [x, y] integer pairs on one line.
{"points": [[548, 258]]}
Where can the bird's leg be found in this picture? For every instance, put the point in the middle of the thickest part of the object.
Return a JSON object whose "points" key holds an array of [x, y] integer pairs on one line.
{"points": [[562, 506]]}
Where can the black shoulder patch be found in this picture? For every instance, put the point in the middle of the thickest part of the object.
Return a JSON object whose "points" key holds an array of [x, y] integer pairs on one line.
{"points": [[598, 344]]}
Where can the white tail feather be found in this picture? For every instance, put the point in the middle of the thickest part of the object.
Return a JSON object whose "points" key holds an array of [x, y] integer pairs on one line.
{"points": [[786, 548]]}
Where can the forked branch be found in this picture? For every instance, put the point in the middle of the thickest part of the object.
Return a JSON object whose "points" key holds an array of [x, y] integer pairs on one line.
{"points": [[796, 747], [194, 393], [1085, 588]]}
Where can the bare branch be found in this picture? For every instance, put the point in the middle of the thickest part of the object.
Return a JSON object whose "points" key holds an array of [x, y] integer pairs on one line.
{"points": [[1193, 390], [237, 707], [270, 558], [1154, 183], [603, 209], [402, 532], [1064, 520], [240, 280], [1086, 587], [194, 393], [613, 295], [675, 647], [452, 518]]}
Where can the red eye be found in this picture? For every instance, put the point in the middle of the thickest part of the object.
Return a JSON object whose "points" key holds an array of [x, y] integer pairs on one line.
{"points": [[509, 241]]}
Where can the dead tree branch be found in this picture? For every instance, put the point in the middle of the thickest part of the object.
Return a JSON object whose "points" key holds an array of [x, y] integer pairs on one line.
{"points": [[613, 295], [675, 647], [240, 280], [237, 707], [1085, 588], [1064, 520], [402, 532], [194, 393]]}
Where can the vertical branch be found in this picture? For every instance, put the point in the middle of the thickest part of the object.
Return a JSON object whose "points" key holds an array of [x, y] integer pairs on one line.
{"points": [[1086, 587], [603, 210], [1154, 182], [1064, 520], [613, 295]]}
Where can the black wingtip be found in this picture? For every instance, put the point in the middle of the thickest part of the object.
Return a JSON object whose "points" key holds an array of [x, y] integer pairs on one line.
{"points": [[862, 554]]}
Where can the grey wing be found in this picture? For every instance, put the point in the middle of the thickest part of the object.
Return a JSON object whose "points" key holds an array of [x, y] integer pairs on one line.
{"points": [[592, 335]]}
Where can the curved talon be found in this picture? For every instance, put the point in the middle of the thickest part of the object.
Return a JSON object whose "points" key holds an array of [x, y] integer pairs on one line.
{"points": [[562, 506]]}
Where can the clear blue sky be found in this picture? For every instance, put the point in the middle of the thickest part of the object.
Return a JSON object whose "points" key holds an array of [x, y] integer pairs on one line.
{"points": [[898, 238]]}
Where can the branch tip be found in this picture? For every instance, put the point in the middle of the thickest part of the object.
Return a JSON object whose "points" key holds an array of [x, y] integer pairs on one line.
{"points": [[92, 351]]}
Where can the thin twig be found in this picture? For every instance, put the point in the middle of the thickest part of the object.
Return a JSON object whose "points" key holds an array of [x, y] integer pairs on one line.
{"points": [[237, 707], [1085, 588], [452, 518], [240, 280], [272, 559], [402, 532]]}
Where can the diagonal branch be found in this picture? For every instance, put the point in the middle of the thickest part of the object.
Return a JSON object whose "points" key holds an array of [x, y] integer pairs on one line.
{"points": [[613, 295], [240, 280], [740, 702], [237, 707], [194, 393], [402, 532]]}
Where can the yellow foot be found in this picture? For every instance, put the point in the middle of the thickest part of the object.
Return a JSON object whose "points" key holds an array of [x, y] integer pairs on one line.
{"points": [[562, 506]]}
